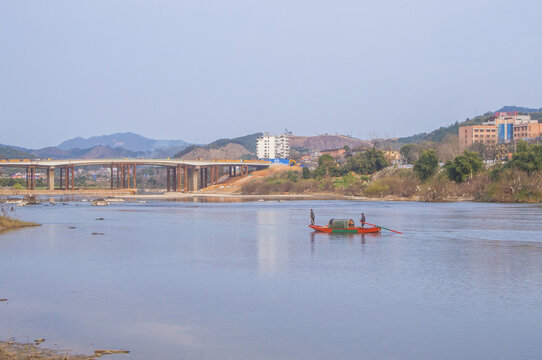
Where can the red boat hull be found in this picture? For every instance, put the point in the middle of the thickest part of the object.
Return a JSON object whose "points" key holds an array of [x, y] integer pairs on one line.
{"points": [[351, 230]]}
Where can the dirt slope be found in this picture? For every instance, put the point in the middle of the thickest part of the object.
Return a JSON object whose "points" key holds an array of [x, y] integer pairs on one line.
{"points": [[326, 142], [230, 151]]}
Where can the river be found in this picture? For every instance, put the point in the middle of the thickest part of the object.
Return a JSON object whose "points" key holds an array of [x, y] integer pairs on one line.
{"points": [[250, 280]]}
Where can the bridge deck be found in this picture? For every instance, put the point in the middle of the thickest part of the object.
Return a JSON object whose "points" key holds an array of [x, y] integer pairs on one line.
{"points": [[155, 162]]}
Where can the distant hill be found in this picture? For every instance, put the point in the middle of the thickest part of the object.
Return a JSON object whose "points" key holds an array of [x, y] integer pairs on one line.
{"points": [[453, 129], [325, 142], [11, 152], [439, 134], [248, 142], [95, 152], [520, 109], [128, 141]]}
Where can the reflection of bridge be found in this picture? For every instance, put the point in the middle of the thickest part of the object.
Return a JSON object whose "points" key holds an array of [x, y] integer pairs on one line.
{"points": [[182, 175]]}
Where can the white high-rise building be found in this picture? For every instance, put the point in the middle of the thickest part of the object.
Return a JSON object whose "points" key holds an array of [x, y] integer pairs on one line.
{"points": [[273, 147]]}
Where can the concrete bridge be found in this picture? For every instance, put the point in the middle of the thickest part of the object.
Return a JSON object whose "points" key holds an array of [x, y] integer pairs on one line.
{"points": [[182, 175]]}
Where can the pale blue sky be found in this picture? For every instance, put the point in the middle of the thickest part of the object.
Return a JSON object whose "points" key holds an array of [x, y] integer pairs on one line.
{"points": [[201, 70]]}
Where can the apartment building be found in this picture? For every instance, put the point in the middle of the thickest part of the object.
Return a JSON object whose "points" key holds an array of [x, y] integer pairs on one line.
{"points": [[273, 147]]}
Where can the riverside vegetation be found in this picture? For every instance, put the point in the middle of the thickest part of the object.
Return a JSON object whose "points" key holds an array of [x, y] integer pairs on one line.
{"points": [[465, 177], [9, 223]]}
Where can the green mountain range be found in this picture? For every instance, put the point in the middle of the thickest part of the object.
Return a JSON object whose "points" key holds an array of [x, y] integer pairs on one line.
{"points": [[247, 141]]}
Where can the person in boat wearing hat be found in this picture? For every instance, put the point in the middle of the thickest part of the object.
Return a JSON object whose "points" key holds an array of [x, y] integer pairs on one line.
{"points": [[362, 220], [312, 217]]}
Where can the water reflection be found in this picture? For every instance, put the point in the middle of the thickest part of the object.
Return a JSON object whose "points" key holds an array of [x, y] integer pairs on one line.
{"points": [[272, 250]]}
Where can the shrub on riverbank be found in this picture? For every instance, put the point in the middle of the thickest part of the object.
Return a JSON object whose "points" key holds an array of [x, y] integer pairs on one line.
{"points": [[8, 223], [500, 184], [513, 185]]}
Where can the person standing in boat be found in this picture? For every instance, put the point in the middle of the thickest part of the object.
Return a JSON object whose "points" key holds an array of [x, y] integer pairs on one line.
{"points": [[362, 220], [312, 217]]}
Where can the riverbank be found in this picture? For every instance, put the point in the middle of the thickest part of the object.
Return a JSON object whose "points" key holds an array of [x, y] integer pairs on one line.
{"points": [[215, 194], [508, 186], [18, 351]]}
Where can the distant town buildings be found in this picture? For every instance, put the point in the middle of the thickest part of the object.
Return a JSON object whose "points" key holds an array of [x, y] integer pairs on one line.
{"points": [[394, 157], [335, 153], [506, 126], [273, 147]]}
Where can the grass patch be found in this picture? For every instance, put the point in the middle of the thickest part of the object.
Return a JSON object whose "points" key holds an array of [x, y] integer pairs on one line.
{"points": [[8, 223], [17, 351]]}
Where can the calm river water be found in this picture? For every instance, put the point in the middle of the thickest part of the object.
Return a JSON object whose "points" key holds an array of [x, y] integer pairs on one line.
{"points": [[192, 280]]}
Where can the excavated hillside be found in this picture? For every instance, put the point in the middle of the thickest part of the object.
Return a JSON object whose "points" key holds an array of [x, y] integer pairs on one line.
{"points": [[229, 151], [326, 142]]}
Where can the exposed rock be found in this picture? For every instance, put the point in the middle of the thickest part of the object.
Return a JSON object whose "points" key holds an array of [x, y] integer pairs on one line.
{"points": [[99, 353], [100, 202]]}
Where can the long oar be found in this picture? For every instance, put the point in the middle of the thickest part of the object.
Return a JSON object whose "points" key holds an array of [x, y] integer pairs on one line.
{"points": [[382, 227]]}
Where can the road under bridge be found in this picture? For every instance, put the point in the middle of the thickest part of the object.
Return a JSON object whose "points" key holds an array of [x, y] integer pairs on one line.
{"points": [[182, 175]]}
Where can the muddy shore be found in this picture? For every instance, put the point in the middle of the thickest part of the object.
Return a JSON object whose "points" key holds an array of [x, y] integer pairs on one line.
{"points": [[218, 195], [18, 351]]}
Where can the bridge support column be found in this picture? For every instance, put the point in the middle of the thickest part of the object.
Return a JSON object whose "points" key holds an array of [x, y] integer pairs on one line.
{"points": [[174, 178], [185, 175], [171, 178], [127, 166], [178, 179], [67, 176], [31, 177], [134, 176], [194, 184], [122, 176], [51, 178]]}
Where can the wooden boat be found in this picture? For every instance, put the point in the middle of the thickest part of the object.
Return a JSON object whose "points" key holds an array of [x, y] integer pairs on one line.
{"points": [[348, 230]]}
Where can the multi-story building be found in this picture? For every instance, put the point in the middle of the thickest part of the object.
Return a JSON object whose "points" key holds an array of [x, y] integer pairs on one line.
{"points": [[485, 134], [273, 147], [500, 130], [527, 131]]}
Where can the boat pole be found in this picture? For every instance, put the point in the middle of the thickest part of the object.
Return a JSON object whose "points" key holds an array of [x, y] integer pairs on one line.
{"points": [[382, 227]]}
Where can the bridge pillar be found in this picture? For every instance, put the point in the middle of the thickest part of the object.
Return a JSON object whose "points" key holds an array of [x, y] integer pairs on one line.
{"points": [[171, 175], [185, 176], [127, 166], [51, 178], [194, 178], [167, 178], [135, 185], [67, 175], [178, 179]]}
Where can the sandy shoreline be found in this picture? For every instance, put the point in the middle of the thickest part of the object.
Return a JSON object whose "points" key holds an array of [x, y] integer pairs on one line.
{"points": [[221, 196]]}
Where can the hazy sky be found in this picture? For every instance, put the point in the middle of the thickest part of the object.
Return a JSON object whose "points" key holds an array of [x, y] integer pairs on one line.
{"points": [[202, 70]]}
